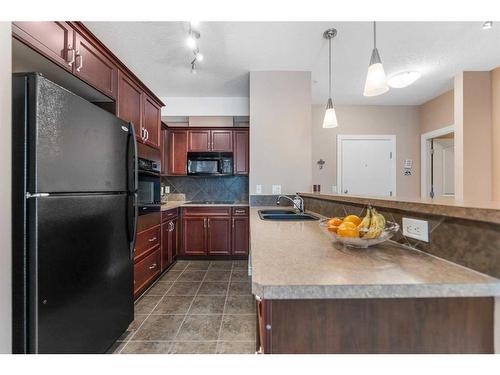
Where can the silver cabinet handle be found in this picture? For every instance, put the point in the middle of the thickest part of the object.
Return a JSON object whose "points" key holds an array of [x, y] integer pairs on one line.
{"points": [[233, 222], [146, 135], [208, 223], [204, 222], [239, 211], [79, 61], [143, 134], [152, 239], [153, 266], [72, 52], [171, 226]]}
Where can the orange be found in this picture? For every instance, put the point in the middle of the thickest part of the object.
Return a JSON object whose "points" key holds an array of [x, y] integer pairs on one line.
{"points": [[353, 219], [333, 228], [348, 229], [334, 222]]}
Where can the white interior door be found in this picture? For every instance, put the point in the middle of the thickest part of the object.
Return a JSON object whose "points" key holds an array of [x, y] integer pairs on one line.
{"points": [[443, 167], [366, 165]]}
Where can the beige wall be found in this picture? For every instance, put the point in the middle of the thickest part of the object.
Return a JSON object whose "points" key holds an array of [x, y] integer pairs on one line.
{"points": [[437, 113], [473, 136], [280, 131], [402, 121], [495, 118], [5, 196]]}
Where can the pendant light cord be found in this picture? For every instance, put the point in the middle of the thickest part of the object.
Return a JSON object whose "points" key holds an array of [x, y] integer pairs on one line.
{"points": [[374, 34], [330, 67]]}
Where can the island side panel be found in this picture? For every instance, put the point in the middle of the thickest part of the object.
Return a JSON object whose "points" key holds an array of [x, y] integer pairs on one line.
{"points": [[412, 325]]}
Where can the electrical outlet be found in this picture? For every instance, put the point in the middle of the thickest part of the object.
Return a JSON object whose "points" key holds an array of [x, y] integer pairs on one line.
{"points": [[167, 189], [418, 229], [334, 189], [258, 189], [276, 189]]}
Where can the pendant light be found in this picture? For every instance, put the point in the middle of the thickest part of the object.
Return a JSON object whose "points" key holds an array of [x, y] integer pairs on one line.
{"points": [[376, 83], [330, 120]]}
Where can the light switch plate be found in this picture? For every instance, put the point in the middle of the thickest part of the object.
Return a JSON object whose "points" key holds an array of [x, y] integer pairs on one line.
{"points": [[414, 228], [258, 189], [167, 189], [276, 189]]}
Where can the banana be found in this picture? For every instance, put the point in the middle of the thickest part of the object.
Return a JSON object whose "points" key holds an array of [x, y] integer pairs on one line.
{"points": [[365, 223], [377, 225]]}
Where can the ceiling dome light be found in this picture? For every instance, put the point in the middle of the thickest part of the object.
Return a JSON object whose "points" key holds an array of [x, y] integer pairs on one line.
{"points": [[191, 42], [403, 79], [199, 56], [376, 83], [330, 119], [487, 25]]}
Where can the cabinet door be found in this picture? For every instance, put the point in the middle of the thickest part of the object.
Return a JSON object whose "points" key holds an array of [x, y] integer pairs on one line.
{"points": [[172, 249], [194, 235], [55, 40], [164, 150], [222, 140], [129, 103], [240, 235], [152, 122], [164, 245], [177, 152], [240, 154], [219, 235], [199, 140], [94, 67]]}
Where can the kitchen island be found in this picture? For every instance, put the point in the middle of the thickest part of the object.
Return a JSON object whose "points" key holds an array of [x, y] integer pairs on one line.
{"points": [[317, 297]]}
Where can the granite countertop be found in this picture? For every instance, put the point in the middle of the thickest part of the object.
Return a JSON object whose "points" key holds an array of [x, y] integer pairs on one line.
{"points": [[175, 204], [296, 260]]}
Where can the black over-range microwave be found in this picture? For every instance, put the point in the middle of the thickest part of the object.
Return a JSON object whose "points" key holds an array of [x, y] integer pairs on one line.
{"points": [[210, 163], [148, 192]]}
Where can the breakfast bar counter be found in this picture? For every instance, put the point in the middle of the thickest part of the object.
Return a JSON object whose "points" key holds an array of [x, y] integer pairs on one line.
{"points": [[314, 296], [296, 260]]}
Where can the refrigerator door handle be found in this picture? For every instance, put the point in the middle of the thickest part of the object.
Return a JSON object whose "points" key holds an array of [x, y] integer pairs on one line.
{"points": [[132, 188]]}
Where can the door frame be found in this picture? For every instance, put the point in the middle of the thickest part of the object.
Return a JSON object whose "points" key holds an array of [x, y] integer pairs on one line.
{"points": [[342, 137], [424, 156]]}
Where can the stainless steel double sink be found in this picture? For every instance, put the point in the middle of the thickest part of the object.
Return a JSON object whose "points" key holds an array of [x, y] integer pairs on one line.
{"points": [[285, 215]]}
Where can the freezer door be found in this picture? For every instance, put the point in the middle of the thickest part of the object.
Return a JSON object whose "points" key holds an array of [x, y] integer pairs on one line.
{"points": [[73, 145], [80, 273]]}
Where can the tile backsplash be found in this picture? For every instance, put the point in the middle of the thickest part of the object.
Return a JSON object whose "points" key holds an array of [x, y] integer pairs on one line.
{"points": [[227, 188], [470, 243]]}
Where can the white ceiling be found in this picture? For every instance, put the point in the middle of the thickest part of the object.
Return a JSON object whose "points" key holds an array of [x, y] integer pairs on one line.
{"points": [[157, 53]]}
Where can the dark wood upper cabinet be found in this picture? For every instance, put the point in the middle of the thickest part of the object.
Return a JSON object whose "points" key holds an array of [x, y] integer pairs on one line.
{"points": [[219, 235], [129, 106], [241, 152], [164, 150], [240, 237], [177, 152], [54, 40], [199, 140], [194, 235], [221, 140], [92, 66], [152, 122]]}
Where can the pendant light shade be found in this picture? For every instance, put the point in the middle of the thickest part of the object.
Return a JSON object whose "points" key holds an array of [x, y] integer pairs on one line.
{"points": [[376, 81], [330, 119]]}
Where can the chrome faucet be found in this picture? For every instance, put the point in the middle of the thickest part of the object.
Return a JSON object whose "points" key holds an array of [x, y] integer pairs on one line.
{"points": [[299, 206]]}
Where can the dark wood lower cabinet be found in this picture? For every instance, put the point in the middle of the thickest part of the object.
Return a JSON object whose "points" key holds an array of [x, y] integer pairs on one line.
{"points": [[219, 236], [194, 235], [146, 271], [241, 234], [168, 243], [346, 326], [215, 231]]}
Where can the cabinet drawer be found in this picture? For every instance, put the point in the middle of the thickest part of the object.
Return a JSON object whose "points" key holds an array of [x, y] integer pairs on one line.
{"points": [[167, 215], [207, 211], [240, 211], [146, 271], [148, 221], [147, 240]]}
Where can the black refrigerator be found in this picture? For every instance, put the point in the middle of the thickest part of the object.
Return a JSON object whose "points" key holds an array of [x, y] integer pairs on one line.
{"points": [[74, 216]]}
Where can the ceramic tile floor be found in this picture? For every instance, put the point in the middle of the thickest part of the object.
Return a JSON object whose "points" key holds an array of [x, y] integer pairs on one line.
{"points": [[197, 307]]}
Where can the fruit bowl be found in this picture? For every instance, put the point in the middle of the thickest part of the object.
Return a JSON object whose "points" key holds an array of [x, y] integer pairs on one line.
{"points": [[390, 230]]}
